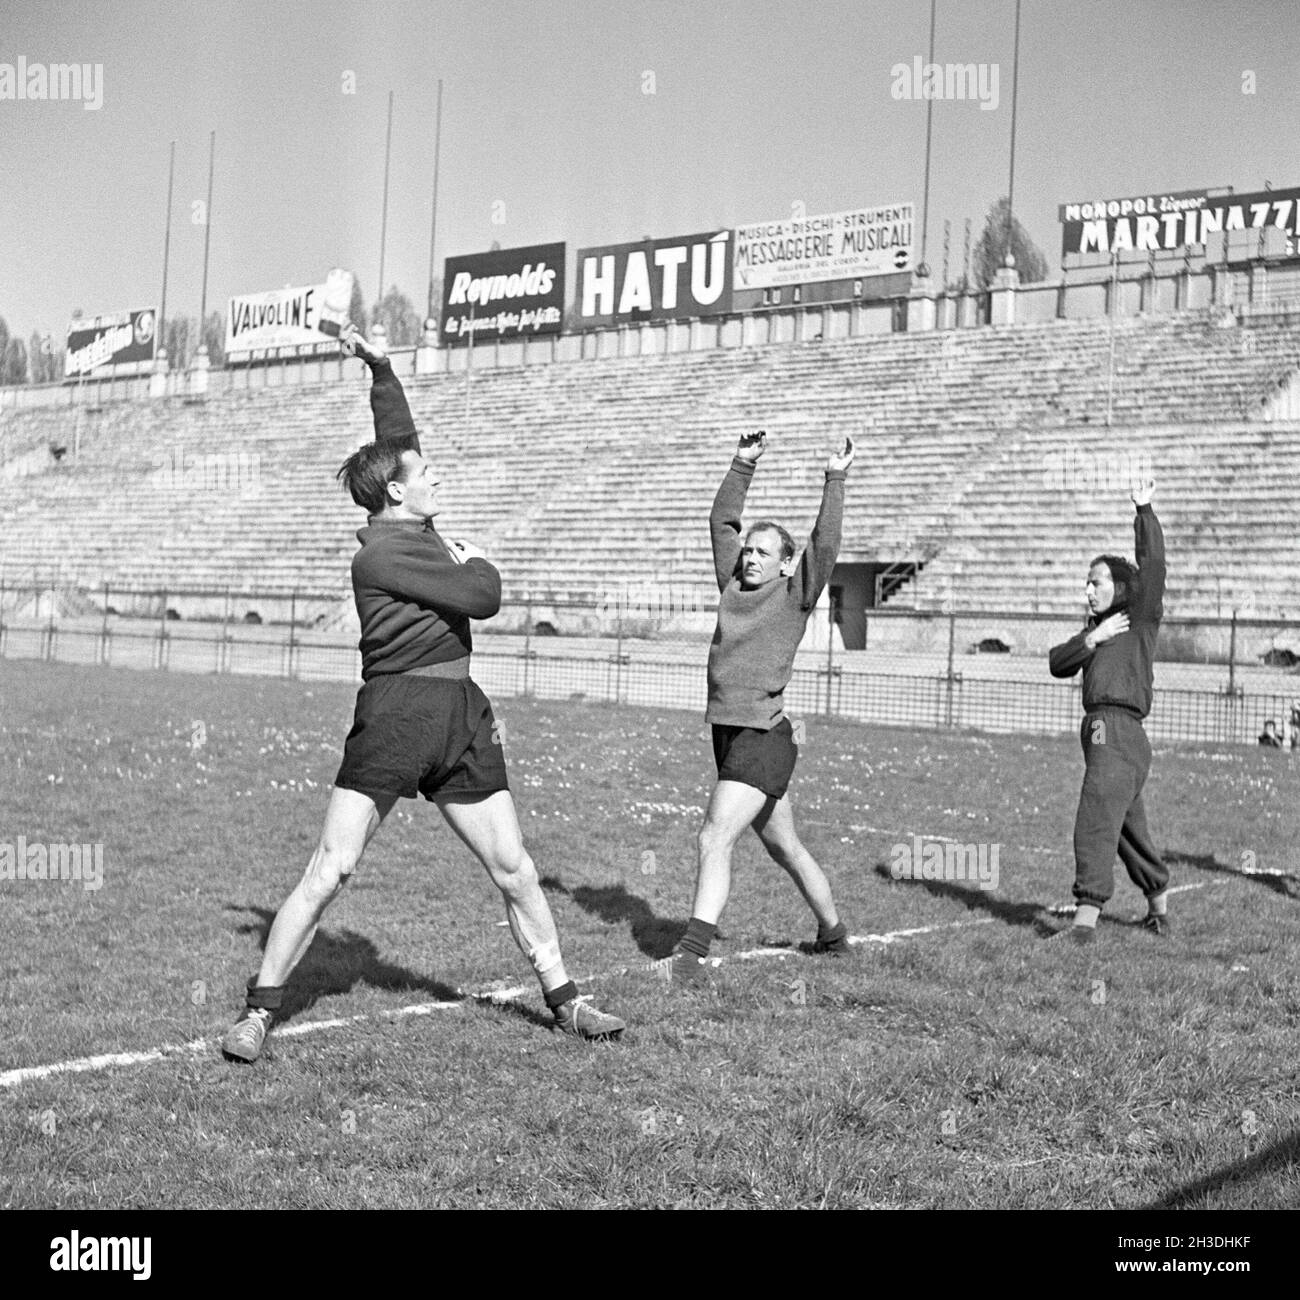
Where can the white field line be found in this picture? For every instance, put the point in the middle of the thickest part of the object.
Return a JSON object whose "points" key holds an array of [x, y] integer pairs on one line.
{"points": [[11, 1078], [83, 1064], [892, 937]]}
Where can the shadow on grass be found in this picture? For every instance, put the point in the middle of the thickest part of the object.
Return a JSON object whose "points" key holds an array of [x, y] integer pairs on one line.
{"points": [[1033, 916], [1284, 1153], [524, 1011], [1284, 884], [654, 935], [337, 962]]}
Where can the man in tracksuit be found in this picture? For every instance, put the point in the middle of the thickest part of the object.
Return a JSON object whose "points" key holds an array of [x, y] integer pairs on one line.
{"points": [[765, 603], [422, 725], [1115, 651]]}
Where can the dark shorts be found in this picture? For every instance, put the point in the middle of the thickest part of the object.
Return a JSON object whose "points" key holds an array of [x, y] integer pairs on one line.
{"points": [[422, 735], [763, 759]]}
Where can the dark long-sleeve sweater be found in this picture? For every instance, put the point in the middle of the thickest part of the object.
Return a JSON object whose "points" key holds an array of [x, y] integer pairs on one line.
{"points": [[414, 601], [759, 630], [1119, 671]]}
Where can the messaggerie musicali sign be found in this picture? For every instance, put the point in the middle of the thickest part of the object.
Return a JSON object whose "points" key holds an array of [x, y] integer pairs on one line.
{"points": [[833, 246]]}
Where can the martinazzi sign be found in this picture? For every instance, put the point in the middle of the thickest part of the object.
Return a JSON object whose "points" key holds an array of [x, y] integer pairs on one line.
{"points": [[1167, 222]]}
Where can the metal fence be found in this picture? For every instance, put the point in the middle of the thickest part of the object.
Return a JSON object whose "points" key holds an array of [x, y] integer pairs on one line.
{"points": [[1216, 680]]}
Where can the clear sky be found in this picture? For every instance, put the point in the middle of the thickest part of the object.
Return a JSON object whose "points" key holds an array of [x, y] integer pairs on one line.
{"points": [[756, 105]]}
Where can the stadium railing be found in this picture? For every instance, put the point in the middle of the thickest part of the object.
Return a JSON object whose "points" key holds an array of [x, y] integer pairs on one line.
{"points": [[1216, 680], [1241, 282]]}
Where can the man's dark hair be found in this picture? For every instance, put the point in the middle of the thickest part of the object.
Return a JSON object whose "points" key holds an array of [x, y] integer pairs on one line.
{"points": [[1122, 574], [787, 542], [369, 470]]}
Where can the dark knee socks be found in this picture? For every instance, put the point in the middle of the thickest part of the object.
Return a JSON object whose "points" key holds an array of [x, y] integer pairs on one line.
{"points": [[264, 998], [558, 997], [699, 935]]}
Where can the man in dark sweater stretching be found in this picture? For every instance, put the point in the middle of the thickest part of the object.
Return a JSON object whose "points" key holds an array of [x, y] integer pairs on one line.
{"points": [[422, 726], [1115, 651], [765, 603]]}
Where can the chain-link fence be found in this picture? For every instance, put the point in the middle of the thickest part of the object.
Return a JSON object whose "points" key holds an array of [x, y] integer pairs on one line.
{"points": [[1218, 680]]}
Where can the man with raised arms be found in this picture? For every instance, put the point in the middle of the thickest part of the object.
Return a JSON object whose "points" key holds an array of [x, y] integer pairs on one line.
{"points": [[766, 598], [422, 725]]}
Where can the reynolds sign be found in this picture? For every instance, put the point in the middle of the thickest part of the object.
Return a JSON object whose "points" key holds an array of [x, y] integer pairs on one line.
{"points": [[503, 294], [656, 279]]}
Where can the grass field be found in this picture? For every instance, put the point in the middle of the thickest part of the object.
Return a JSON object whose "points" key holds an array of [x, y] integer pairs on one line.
{"points": [[969, 1064]]}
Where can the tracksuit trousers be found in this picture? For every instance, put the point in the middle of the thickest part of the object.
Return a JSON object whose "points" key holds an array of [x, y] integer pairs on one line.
{"points": [[1111, 818]]}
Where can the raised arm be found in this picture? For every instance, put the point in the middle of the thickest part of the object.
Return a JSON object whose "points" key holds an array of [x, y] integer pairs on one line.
{"points": [[819, 556], [728, 505], [388, 405], [1149, 546]]}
